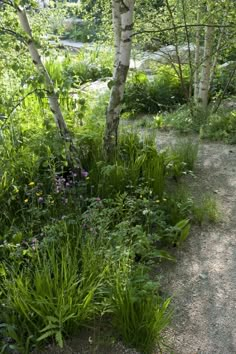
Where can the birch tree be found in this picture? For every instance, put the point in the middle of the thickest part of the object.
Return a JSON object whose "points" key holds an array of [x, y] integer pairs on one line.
{"points": [[36, 59], [55, 108], [122, 16], [205, 74]]}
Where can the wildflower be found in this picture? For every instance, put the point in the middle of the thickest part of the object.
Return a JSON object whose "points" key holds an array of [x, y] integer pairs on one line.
{"points": [[26, 200], [98, 199], [84, 173], [87, 178], [164, 199], [39, 194], [40, 200], [31, 184], [157, 201]]}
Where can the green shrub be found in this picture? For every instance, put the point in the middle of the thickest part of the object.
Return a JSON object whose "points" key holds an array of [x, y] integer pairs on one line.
{"points": [[221, 126], [162, 92], [223, 81]]}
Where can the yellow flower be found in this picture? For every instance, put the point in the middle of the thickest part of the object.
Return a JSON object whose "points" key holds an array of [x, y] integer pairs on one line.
{"points": [[31, 184], [157, 201], [26, 200], [87, 178], [38, 194], [164, 199]]}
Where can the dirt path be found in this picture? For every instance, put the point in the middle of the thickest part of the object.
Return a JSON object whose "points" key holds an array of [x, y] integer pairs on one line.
{"points": [[203, 281]]}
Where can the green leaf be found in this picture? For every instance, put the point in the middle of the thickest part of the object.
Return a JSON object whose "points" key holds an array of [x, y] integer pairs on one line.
{"points": [[49, 327], [46, 335], [110, 84], [164, 255], [59, 339]]}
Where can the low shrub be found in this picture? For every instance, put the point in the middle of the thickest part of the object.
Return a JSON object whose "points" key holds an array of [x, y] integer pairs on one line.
{"points": [[220, 126], [160, 93]]}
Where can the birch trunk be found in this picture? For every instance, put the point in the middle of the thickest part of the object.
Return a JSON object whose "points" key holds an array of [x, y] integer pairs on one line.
{"points": [[116, 16], [206, 67], [52, 97], [123, 25], [197, 61]]}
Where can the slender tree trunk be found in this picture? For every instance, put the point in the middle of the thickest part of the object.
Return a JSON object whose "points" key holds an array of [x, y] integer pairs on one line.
{"points": [[206, 67], [72, 153], [52, 97], [197, 60], [116, 16], [123, 25]]}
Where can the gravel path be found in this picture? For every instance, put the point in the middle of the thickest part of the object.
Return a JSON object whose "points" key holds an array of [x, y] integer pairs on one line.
{"points": [[203, 281]]}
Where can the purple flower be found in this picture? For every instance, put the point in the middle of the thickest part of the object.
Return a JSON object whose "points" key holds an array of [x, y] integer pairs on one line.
{"points": [[40, 200], [98, 199], [84, 173]]}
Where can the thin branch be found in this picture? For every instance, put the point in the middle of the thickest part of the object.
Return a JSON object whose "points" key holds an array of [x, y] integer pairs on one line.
{"points": [[4, 30], [184, 26]]}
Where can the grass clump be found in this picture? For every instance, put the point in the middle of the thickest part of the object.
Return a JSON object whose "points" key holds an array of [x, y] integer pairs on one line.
{"points": [[140, 315], [206, 210]]}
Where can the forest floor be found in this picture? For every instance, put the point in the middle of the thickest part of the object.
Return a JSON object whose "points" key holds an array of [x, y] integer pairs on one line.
{"points": [[203, 280]]}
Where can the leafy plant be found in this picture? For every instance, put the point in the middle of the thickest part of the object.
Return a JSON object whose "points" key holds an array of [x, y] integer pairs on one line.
{"points": [[140, 315]]}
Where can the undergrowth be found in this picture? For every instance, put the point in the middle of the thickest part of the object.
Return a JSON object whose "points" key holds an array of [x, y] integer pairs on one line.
{"points": [[80, 245]]}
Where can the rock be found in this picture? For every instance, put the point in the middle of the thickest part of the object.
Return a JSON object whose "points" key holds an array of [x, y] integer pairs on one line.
{"points": [[99, 87], [203, 276], [166, 55]]}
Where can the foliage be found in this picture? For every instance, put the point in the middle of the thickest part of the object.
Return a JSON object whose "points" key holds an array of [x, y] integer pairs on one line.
{"points": [[160, 93], [220, 126], [206, 210], [214, 126], [139, 313], [53, 295]]}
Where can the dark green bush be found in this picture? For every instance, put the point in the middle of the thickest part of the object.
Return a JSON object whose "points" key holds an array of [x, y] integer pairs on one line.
{"points": [[159, 93]]}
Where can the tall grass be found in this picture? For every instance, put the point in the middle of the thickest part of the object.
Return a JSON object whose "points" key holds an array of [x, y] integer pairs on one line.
{"points": [[55, 294], [139, 314]]}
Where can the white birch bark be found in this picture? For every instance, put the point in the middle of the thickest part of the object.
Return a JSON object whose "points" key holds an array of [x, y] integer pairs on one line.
{"points": [[197, 60], [116, 18], [122, 61], [52, 97], [206, 67]]}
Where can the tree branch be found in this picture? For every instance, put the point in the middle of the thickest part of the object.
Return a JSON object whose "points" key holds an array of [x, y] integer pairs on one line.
{"points": [[183, 26]]}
